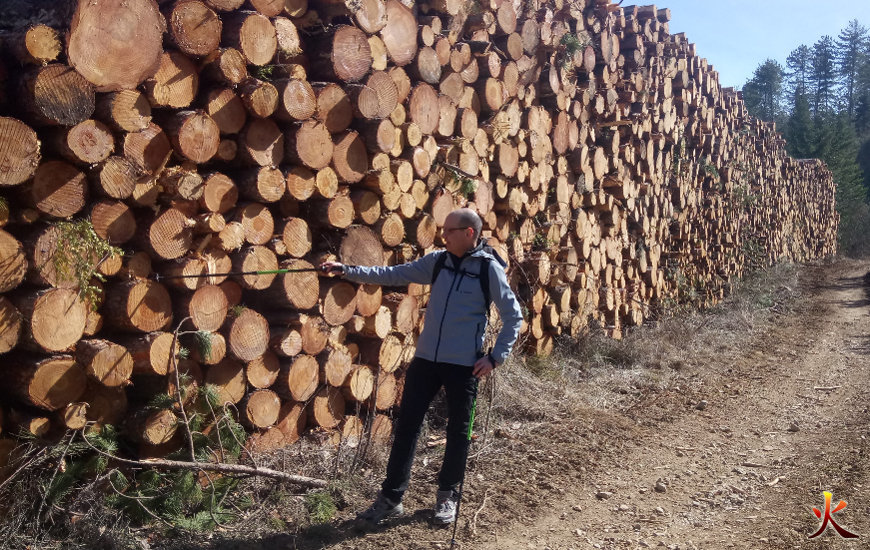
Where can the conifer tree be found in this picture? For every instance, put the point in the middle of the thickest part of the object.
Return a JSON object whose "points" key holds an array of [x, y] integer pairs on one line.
{"points": [[851, 59], [799, 129], [797, 72], [823, 77], [763, 93]]}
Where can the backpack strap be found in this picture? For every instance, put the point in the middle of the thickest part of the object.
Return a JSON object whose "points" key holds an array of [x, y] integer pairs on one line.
{"points": [[439, 265], [484, 279]]}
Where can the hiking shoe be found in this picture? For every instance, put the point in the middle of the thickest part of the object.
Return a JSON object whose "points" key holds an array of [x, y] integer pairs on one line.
{"points": [[381, 509], [445, 508]]}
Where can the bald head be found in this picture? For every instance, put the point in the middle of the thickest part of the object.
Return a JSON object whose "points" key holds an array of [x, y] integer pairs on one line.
{"points": [[466, 217]]}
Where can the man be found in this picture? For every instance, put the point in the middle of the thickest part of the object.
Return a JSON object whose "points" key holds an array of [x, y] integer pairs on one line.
{"points": [[449, 352]]}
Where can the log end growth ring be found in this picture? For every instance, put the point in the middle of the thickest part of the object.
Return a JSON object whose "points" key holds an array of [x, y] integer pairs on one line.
{"points": [[351, 54], [116, 44], [58, 319]]}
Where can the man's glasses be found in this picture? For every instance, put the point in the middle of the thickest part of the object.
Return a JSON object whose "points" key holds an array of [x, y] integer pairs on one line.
{"points": [[446, 230]]}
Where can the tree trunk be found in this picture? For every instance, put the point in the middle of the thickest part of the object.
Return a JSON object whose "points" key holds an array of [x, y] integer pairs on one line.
{"points": [[291, 421], [298, 101], [247, 335], [359, 384], [153, 427], [138, 306], [116, 44], [400, 33], [339, 302], [336, 367], [116, 177], [350, 158], [260, 408], [219, 193], [342, 54], [228, 377], [19, 152], [263, 371], [387, 391], [88, 142], [225, 65], [299, 379], [194, 28], [38, 45], [258, 225], [58, 189], [10, 325], [382, 429], [368, 300], [310, 143], [148, 149], [126, 111], [253, 35], [361, 246], [13, 263], [176, 82], [57, 95], [255, 258], [108, 363], [261, 143], [297, 237], [286, 342], [47, 383], [327, 408], [264, 184], [151, 352], [54, 319], [194, 135], [208, 348]]}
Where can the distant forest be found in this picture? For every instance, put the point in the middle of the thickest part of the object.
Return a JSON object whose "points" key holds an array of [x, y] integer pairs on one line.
{"points": [[820, 100]]}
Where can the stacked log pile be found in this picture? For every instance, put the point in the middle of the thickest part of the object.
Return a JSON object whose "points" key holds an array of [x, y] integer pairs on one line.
{"points": [[206, 136]]}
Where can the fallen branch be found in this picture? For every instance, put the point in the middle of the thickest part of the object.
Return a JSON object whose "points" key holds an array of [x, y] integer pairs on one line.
{"points": [[220, 467], [826, 388], [231, 469]]}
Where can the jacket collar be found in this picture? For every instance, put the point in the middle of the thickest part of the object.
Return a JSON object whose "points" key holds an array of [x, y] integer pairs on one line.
{"points": [[480, 250]]}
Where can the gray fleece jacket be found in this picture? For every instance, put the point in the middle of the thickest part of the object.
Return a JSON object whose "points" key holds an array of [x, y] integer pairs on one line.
{"points": [[456, 317]]}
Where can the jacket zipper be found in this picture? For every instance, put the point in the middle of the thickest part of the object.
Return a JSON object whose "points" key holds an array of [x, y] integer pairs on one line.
{"points": [[443, 315]]}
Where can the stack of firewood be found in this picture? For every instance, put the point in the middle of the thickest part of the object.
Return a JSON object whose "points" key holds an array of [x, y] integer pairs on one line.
{"points": [[208, 136]]}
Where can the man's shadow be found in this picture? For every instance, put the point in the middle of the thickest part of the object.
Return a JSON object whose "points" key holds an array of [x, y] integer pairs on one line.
{"points": [[321, 535]]}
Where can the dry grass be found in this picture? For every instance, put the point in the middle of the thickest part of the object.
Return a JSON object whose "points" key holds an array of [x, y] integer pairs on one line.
{"points": [[602, 373]]}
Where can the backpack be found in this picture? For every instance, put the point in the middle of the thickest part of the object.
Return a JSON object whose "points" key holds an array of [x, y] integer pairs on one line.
{"points": [[483, 276]]}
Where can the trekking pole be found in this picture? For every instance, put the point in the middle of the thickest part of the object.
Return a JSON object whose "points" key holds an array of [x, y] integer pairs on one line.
{"points": [[462, 481], [159, 277]]}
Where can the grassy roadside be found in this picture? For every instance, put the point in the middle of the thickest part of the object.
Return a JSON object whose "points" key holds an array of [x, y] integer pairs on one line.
{"points": [[588, 385]]}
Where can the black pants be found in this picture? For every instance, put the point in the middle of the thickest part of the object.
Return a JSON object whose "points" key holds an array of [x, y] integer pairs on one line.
{"points": [[422, 381]]}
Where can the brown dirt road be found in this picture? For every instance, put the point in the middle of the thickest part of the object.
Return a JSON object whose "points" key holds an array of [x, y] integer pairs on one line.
{"points": [[625, 458], [787, 418]]}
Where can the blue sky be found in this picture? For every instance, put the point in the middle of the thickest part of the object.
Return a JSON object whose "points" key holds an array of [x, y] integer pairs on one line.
{"points": [[738, 35]]}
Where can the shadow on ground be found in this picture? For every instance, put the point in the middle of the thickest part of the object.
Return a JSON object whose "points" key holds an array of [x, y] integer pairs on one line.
{"points": [[321, 536]]}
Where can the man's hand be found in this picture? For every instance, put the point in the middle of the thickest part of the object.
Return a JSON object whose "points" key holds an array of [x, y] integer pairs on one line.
{"points": [[332, 268], [483, 366]]}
